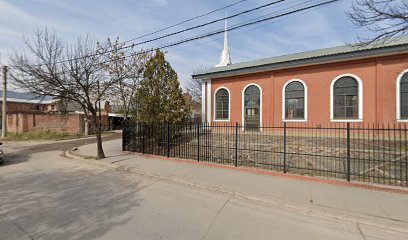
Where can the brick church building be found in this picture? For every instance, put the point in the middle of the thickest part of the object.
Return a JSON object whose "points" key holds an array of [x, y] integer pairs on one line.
{"points": [[341, 84]]}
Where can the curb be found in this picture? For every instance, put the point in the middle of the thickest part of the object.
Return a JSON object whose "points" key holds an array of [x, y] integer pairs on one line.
{"points": [[329, 181], [359, 218]]}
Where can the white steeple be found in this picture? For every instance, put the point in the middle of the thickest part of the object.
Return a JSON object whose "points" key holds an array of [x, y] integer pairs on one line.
{"points": [[225, 58]]}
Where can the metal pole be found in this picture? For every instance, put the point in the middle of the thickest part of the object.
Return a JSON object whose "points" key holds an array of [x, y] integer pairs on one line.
{"points": [[124, 136], [99, 108], [284, 147], [236, 144], [4, 105], [348, 152], [198, 141], [168, 139], [143, 137]]}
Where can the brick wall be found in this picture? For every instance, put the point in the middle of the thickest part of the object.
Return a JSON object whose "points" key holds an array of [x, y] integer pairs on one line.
{"points": [[378, 77], [28, 122]]}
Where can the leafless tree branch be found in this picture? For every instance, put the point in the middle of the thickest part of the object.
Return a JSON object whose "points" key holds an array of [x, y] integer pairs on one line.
{"points": [[386, 19], [71, 73]]}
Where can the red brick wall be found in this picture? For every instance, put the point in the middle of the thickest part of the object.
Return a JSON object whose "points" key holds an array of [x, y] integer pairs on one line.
{"points": [[378, 76], [27, 122]]}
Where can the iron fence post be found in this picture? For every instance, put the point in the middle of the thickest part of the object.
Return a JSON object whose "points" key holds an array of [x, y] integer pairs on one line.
{"points": [[198, 141], [168, 139], [284, 147], [143, 126], [236, 144], [133, 138], [124, 133], [348, 152]]}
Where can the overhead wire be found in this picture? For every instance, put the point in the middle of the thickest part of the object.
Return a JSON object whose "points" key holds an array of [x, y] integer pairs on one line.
{"points": [[177, 32], [185, 21], [235, 27]]}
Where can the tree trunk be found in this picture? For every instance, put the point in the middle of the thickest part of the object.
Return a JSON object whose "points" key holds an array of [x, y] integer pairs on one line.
{"points": [[98, 133]]}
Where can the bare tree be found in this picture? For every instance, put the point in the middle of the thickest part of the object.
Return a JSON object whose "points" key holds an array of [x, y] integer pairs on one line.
{"points": [[194, 85], [194, 89], [125, 67], [385, 19], [72, 73]]}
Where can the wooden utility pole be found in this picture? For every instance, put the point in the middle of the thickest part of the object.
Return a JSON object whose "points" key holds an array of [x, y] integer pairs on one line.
{"points": [[4, 104]]}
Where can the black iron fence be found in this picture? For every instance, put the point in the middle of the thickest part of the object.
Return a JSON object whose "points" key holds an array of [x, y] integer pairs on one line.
{"points": [[356, 152]]}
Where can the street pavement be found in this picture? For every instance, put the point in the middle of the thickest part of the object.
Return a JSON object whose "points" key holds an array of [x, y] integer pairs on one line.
{"points": [[44, 195]]}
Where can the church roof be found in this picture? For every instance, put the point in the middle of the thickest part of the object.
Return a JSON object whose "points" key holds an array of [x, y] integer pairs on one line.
{"points": [[334, 54]]}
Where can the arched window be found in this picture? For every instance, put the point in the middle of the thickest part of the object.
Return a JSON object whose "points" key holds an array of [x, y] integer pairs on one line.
{"points": [[403, 97], [294, 94], [222, 104], [252, 107], [346, 98]]}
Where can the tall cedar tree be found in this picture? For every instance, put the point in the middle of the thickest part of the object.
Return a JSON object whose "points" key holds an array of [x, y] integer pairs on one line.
{"points": [[159, 97]]}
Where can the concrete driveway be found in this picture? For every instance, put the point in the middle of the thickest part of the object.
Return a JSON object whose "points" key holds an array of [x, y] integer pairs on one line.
{"points": [[46, 196]]}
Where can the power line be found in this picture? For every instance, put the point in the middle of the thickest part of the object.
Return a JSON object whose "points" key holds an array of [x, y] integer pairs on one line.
{"points": [[176, 33], [234, 28], [185, 21], [237, 26], [207, 23], [263, 25]]}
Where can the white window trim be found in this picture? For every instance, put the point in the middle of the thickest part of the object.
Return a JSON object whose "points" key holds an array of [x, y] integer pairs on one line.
{"points": [[304, 119], [243, 104], [398, 98], [215, 105], [360, 99]]}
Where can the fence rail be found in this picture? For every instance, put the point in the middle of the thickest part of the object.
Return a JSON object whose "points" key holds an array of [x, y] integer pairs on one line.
{"points": [[376, 153]]}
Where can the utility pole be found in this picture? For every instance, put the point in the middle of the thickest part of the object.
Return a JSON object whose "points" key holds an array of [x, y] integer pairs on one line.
{"points": [[4, 103], [99, 107]]}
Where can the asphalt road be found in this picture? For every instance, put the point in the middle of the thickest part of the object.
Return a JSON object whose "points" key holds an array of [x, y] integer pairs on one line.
{"points": [[46, 196], [22, 147]]}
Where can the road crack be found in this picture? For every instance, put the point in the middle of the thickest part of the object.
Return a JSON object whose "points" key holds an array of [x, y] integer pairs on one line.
{"points": [[216, 216], [360, 231]]}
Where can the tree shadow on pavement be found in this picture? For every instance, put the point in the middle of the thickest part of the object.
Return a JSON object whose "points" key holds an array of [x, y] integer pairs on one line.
{"points": [[14, 158], [74, 203]]}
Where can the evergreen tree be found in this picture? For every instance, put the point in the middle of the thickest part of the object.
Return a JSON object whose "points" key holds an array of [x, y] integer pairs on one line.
{"points": [[159, 97]]}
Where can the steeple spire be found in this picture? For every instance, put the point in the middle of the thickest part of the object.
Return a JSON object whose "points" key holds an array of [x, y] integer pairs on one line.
{"points": [[225, 58]]}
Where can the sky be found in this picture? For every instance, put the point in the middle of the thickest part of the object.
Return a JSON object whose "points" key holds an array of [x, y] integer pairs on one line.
{"points": [[326, 26]]}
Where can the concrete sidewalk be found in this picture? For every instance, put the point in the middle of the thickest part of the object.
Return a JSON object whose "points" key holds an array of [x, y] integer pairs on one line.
{"points": [[368, 206]]}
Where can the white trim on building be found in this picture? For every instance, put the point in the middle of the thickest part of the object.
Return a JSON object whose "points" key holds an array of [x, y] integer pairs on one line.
{"points": [[208, 101], [398, 96], [284, 98], [215, 105], [243, 102], [360, 99], [203, 100]]}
